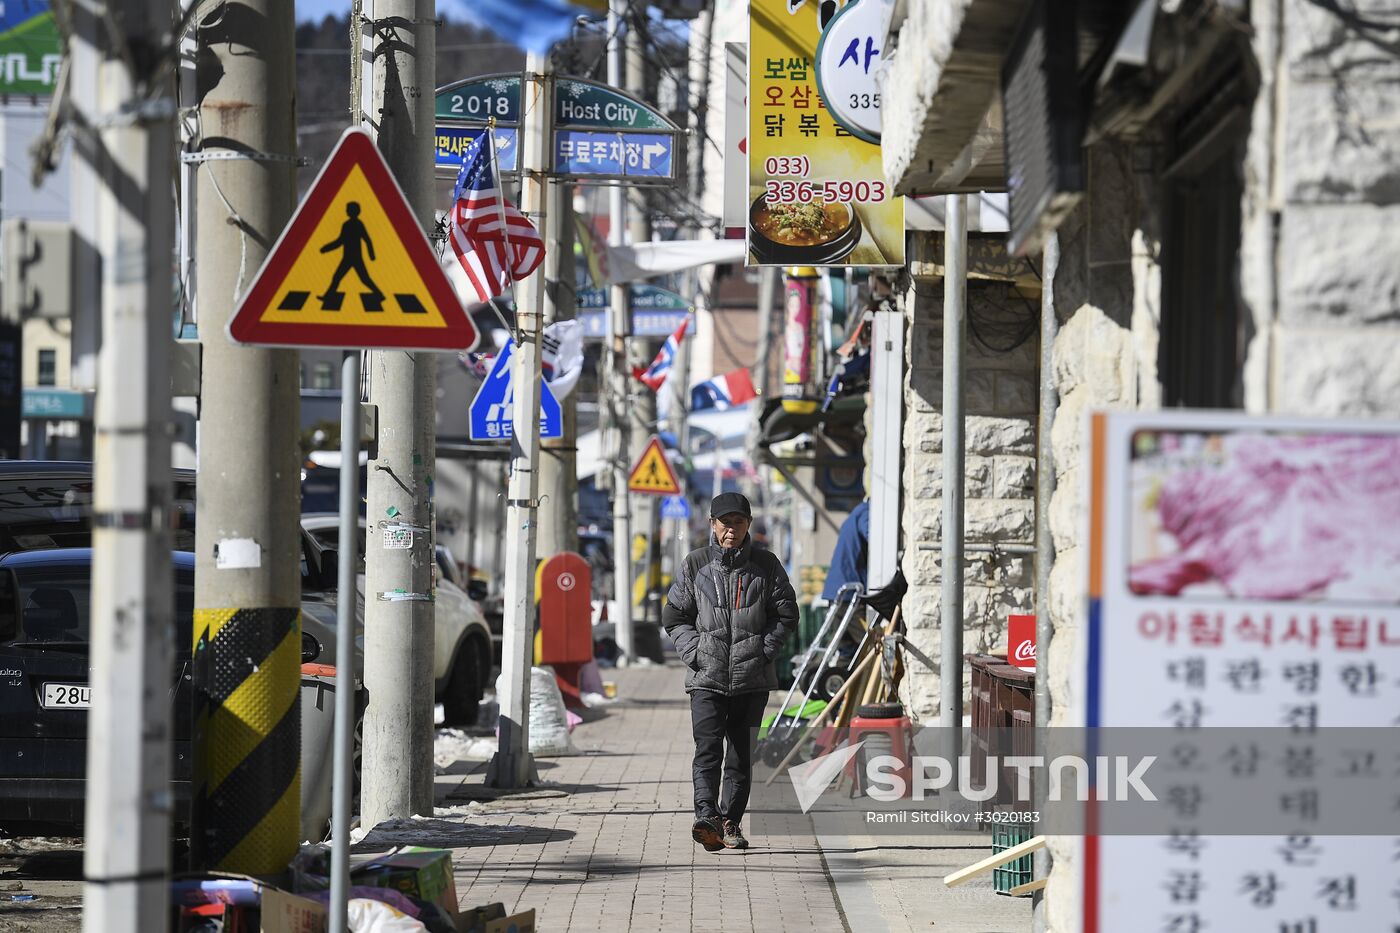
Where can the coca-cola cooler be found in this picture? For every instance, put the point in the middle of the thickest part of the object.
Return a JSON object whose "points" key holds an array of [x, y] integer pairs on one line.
{"points": [[1003, 717]]}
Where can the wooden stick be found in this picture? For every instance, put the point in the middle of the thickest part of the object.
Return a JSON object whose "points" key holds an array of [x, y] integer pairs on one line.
{"points": [[1030, 887], [820, 718], [872, 685], [993, 861]]}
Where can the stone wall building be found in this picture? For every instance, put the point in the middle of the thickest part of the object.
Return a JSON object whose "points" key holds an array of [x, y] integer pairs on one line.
{"points": [[1231, 242], [999, 483]]}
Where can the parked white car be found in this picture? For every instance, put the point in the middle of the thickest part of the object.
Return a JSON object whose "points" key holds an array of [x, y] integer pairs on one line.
{"points": [[462, 639]]}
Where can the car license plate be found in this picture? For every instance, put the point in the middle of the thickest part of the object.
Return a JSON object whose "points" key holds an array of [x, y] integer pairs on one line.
{"points": [[67, 696]]}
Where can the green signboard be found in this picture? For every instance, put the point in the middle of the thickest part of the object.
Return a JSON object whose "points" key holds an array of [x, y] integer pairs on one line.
{"points": [[577, 103], [588, 104], [30, 48], [601, 133], [479, 99]]}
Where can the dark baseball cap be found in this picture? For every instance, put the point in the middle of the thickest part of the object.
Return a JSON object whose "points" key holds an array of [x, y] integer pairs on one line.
{"points": [[727, 503]]}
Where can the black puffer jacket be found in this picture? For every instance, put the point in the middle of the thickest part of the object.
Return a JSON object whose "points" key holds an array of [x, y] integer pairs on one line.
{"points": [[729, 614]]}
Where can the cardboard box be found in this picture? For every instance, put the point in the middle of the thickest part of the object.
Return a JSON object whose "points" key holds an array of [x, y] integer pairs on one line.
{"points": [[287, 913], [523, 922], [425, 874], [474, 919], [492, 919], [238, 898]]}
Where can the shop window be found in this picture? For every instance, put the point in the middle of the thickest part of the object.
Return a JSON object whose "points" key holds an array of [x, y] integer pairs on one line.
{"points": [[1203, 336], [48, 367], [321, 376]]}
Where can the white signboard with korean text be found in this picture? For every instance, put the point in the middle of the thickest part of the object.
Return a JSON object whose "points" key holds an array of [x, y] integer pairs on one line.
{"points": [[1244, 573]]}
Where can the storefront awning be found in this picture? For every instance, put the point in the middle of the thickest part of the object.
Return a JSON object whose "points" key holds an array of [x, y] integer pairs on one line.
{"points": [[945, 75]]}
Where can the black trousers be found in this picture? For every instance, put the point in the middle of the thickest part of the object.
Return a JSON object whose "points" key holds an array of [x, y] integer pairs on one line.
{"points": [[715, 718]]}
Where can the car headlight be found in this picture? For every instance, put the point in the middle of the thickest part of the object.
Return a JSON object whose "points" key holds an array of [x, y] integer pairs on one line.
{"points": [[310, 648]]}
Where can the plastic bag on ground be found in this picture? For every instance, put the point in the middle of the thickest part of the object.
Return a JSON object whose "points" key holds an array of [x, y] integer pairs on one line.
{"points": [[367, 916], [549, 724]]}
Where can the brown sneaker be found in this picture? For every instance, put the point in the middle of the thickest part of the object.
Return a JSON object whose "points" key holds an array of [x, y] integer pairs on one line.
{"points": [[707, 833], [734, 836]]}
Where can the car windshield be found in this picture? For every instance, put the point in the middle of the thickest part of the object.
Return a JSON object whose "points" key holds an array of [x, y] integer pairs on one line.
{"points": [[41, 512], [329, 537], [54, 605]]}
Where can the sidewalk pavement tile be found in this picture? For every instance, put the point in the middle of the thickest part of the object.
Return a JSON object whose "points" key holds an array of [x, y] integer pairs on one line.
{"points": [[616, 853]]}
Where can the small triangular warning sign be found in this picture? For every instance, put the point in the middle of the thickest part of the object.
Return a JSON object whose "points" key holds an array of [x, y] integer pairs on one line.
{"points": [[652, 472], [353, 269]]}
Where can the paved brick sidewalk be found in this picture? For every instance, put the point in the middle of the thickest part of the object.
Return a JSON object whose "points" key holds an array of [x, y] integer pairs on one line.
{"points": [[615, 852]]}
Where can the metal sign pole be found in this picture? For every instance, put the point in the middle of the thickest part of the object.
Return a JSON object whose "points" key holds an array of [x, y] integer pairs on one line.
{"points": [[342, 769], [346, 598]]}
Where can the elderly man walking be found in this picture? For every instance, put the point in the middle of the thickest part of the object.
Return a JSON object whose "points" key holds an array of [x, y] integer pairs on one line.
{"points": [[729, 612]]}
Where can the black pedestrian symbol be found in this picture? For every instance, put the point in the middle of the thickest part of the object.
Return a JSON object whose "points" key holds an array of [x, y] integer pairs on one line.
{"points": [[352, 235], [653, 477], [355, 246]]}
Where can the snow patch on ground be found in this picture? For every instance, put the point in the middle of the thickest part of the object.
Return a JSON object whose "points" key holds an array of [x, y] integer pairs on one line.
{"points": [[454, 745]]}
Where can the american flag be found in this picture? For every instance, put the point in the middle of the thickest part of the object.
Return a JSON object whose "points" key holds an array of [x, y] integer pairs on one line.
{"points": [[485, 263]]}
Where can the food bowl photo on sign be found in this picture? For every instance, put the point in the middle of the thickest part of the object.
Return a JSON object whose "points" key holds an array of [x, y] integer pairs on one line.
{"points": [[816, 233]]}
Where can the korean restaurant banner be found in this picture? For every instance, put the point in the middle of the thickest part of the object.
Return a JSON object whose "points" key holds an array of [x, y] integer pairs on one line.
{"points": [[1243, 574], [817, 193]]}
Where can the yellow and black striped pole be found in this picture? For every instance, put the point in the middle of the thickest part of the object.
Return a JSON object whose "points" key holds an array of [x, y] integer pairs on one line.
{"points": [[247, 739]]}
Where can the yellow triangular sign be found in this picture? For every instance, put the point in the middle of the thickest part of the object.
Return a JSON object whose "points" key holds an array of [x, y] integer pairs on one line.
{"points": [[353, 268], [652, 472]]}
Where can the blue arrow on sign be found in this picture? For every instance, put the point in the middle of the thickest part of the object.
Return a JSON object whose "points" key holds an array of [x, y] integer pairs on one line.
{"points": [[677, 507], [493, 409], [633, 155]]}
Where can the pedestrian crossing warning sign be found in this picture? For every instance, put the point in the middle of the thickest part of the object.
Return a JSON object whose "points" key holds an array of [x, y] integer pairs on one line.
{"points": [[652, 472], [353, 268]]}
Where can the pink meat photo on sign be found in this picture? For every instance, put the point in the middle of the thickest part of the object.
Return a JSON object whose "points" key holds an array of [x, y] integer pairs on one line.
{"points": [[1274, 516]]}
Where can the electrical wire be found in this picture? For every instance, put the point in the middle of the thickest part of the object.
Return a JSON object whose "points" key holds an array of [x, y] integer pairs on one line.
{"points": [[994, 331]]}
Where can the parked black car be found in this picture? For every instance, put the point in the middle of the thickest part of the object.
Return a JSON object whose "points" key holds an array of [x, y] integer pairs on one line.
{"points": [[45, 572]]}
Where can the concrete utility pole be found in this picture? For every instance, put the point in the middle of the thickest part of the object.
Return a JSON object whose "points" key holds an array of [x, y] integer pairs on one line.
{"points": [[641, 402], [126, 858], [512, 765], [767, 281], [678, 384], [616, 387], [559, 458], [397, 773], [247, 630]]}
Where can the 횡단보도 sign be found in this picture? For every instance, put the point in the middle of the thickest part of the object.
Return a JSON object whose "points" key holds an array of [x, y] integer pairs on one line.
{"points": [[817, 191], [492, 413]]}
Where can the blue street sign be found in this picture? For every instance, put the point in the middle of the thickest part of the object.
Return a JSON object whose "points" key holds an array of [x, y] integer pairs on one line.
{"points": [[644, 323], [452, 141], [56, 403], [493, 409], [622, 155], [677, 507], [656, 312]]}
